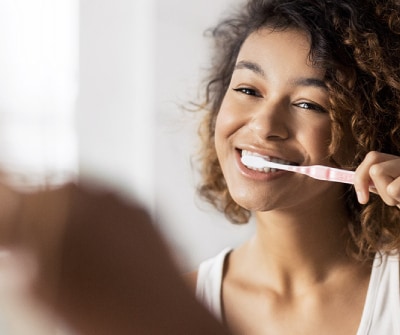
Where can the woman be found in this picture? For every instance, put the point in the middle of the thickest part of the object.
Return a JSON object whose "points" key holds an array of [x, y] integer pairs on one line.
{"points": [[306, 82]]}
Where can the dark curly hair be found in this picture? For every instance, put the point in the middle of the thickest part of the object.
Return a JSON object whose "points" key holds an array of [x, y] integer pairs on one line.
{"points": [[358, 43]]}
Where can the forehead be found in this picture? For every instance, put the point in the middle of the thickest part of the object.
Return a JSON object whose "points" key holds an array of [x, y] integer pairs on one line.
{"points": [[279, 49]]}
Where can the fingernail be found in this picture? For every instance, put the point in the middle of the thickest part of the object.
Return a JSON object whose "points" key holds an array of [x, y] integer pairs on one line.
{"points": [[362, 199]]}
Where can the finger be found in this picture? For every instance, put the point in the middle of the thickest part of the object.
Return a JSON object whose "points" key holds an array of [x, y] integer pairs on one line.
{"points": [[385, 177], [382, 181], [393, 190], [372, 189], [389, 167], [362, 178], [377, 169]]}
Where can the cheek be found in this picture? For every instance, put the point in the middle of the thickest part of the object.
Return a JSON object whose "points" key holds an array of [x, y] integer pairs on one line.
{"points": [[228, 121], [316, 140], [344, 150], [322, 141]]}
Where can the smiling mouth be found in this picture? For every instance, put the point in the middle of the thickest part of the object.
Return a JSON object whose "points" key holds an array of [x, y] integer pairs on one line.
{"points": [[268, 158]]}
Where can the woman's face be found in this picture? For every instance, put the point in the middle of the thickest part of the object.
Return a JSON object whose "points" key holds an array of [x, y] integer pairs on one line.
{"points": [[276, 106]]}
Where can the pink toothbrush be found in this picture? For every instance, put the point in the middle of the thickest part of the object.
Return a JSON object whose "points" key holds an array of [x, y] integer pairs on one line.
{"points": [[314, 171]]}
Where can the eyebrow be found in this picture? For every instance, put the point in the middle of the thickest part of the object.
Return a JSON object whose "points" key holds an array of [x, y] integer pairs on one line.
{"points": [[309, 82], [250, 66], [256, 68]]}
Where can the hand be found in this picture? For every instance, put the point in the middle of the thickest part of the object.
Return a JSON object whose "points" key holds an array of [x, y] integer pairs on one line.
{"points": [[383, 172]]}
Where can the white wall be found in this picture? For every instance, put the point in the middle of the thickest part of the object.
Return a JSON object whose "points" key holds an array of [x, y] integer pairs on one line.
{"points": [[115, 114], [139, 60], [194, 229]]}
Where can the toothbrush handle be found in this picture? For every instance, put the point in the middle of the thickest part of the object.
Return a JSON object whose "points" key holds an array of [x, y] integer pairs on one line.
{"points": [[333, 174], [327, 173], [342, 176]]}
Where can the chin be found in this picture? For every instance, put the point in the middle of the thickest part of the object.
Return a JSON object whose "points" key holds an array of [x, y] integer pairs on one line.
{"points": [[253, 202]]}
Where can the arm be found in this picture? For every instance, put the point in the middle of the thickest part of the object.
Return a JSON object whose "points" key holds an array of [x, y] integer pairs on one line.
{"points": [[102, 266]]}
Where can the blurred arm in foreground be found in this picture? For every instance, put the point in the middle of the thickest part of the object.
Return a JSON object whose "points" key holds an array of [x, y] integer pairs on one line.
{"points": [[100, 264]]}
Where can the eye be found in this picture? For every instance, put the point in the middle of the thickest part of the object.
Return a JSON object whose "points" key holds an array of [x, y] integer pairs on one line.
{"points": [[311, 106], [248, 91]]}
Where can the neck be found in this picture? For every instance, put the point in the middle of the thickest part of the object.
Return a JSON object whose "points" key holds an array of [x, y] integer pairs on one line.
{"points": [[304, 243]]}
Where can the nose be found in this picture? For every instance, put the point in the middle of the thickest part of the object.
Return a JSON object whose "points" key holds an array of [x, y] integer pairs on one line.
{"points": [[271, 120]]}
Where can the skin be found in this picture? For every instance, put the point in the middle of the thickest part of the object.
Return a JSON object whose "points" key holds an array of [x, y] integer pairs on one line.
{"points": [[302, 280], [98, 265], [265, 111], [383, 171]]}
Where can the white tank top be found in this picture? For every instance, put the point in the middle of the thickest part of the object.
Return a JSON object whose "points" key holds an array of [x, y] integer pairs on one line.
{"points": [[381, 314]]}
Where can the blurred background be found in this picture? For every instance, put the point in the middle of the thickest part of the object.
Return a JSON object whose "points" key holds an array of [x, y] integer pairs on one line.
{"points": [[95, 88]]}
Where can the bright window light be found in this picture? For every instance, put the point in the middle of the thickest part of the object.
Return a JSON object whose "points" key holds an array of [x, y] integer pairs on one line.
{"points": [[38, 89]]}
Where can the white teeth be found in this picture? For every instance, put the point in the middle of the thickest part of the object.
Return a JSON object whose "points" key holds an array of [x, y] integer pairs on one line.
{"points": [[271, 159]]}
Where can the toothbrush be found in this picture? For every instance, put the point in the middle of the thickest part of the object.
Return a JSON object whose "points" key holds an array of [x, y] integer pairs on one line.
{"points": [[314, 171]]}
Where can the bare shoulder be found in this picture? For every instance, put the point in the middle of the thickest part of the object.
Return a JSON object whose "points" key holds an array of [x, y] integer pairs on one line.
{"points": [[191, 280]]}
